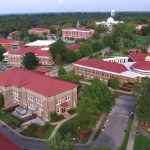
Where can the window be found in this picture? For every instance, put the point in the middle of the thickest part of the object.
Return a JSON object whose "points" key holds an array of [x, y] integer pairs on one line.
{"points": [[58, 110], [15, 47], [39, 101], [67, 97], [16, 95], [30, 97], [31, 106], [58, 102]]}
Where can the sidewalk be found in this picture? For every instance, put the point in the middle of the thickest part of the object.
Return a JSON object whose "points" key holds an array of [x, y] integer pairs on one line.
{"points": [[90, 140], [133, 132], [59, 124]]}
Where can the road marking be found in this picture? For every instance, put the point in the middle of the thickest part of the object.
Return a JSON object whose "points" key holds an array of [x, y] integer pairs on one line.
{"points": [[123, 116]]}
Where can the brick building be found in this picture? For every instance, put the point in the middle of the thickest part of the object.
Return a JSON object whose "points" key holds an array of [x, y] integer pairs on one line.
{"points": [[11, 45], [16, 58], [77, 33], [104, 70], [38, 93], [39, 31]]}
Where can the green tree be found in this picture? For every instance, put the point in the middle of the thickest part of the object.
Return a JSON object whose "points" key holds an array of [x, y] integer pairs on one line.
{"points": [[114, 83], [30, 61], [98, 90], [1, 100], [143, 96], [57, 48], [61, 71], [87, 108], [107, 40], [2, 51], [58, 59], [69, 56], [61, 143], [85, 49], [97, 46]]}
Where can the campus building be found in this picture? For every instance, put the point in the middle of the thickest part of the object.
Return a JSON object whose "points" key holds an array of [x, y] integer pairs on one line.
{"points": [[77, 33], [39, 31], [38, 93], [10, 44], [16, 57]]}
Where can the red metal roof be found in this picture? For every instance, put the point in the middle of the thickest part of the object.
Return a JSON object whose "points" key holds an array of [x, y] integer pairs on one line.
{"points": [[7, 41], [41, 84], [65, 104], [7, 144], [73, 47], [43, 69], [138, 56], [103, 65], [142, 25], [40, 29], [144, 65], [33, 49]]}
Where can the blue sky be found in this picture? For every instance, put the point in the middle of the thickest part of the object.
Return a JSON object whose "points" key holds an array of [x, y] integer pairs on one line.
{"points": [[32, 6]]}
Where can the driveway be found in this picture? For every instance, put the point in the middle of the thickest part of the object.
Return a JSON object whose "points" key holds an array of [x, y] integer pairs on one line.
{"points": [[113, 134]]}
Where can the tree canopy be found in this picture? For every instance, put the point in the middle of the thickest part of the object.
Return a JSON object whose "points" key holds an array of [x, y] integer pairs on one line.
{"points": [[114, 83], [143, 95], [61, 143], [2, 51], [30, 61]]}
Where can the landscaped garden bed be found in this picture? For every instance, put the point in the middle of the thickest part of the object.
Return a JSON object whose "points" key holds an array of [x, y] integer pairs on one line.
{"points": [[9, 119], [36, 131]]}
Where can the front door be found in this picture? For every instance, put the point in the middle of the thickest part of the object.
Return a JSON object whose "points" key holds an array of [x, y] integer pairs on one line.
{"points": [[62, 110]]}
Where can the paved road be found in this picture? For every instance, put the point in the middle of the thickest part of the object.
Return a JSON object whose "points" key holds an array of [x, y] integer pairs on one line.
{"points": [[21, 141], [113, 134]]}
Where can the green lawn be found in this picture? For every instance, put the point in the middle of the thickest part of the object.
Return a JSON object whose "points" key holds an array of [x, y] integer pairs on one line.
{"points": [[69, 126], [42, 132], [125, 142], [141, 143]]}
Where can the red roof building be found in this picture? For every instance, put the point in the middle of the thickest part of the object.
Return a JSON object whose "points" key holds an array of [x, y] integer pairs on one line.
{"points": [[77, 33], [43, 70], [104, 70], [10, 45], [39, 93], [7, 144], [44, 56], [73, 47], [39, 31]]}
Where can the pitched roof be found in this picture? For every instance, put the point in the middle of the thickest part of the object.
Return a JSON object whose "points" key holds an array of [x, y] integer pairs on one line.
{"points": [[40, 29], [34, 49], [44, 85], [73, 47], [7, 41], [7, 144], [103, 65], [144, 65], [138, 56], [43, 69]]}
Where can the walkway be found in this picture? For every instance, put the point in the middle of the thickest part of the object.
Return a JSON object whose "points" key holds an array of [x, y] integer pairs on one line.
{"points": [[59, 124], [133, 132], [90, 140]]}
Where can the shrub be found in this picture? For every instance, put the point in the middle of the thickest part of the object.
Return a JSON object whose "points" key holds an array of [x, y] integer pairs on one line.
{"points": [[45, 127], [60, 117], [1, 100], [72, 111], [54, 117]]}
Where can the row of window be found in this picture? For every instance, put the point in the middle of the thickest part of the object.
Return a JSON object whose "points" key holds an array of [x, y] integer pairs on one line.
{"points": [[58, 101], [33, 99]]}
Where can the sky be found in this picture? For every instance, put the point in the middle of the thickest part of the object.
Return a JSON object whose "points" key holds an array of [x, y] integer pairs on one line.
{"points": [[43, 6]]}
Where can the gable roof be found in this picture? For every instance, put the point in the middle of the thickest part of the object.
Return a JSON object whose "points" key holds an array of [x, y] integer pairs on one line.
{"points": [[7, 41], [138, 56], [103, 65], [41, 84], [40, 29], [34, 49], [73, 47], [43, 69], [7, 144]]}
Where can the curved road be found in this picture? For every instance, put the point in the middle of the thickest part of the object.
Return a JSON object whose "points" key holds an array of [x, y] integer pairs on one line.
{"points": [[112, 136]]}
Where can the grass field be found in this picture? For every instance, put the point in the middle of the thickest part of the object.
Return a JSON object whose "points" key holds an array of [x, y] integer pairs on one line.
{"points": [[141, 143]]}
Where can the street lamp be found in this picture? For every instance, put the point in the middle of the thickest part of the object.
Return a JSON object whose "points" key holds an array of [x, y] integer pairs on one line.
{"points": [[79, 132]]}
